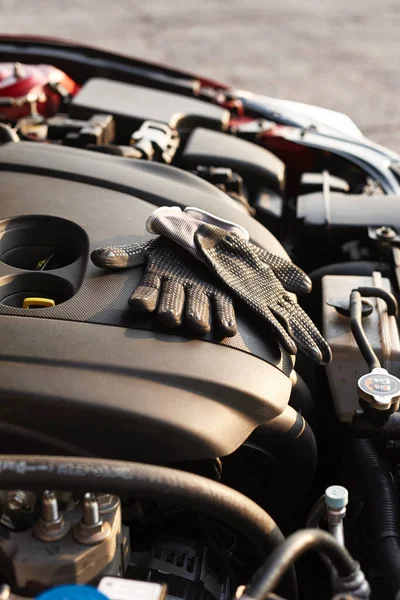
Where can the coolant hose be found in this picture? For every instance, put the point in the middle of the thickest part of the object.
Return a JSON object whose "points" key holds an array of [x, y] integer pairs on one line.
{"points": [[269, 575], [363, 427], [358, 332], [150, 482], [382, 504], [291, 442]]}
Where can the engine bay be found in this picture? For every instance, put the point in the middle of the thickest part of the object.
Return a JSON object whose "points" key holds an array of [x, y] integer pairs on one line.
{"points": [[140, 459]]}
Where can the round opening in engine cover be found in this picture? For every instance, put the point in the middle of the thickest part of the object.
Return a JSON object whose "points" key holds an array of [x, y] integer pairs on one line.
{"points": [[40, 243], [34, 291]]}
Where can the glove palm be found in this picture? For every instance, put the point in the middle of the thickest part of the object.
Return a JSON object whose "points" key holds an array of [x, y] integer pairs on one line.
{"points": [[174, 285]]}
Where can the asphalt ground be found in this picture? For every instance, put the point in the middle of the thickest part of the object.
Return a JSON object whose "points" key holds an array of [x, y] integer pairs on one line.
{"points": [[340, 54]]}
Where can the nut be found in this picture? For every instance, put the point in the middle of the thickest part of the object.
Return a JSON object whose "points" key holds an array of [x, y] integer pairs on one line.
{"points": [[51, 531], [92, 534]]}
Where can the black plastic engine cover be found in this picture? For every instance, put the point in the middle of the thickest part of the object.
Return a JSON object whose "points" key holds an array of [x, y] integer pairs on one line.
{"points": [[254, 163], [84, 373], [131, 105]]}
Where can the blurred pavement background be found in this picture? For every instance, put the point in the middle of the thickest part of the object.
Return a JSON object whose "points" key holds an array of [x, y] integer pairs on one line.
{"points": [[341, 54]]}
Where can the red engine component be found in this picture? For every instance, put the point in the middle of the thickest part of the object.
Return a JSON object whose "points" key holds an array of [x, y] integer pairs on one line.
{"points": [[22, 85]]}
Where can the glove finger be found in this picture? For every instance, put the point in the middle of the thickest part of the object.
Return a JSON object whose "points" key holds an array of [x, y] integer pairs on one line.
{"points": [[172, 300], [121, 257], [197, 315], [285, 338], [319, 341], [225, 317], [325, 350], [302, 329], [306, 342], [290, 275], [145, 298], [307, 335]]}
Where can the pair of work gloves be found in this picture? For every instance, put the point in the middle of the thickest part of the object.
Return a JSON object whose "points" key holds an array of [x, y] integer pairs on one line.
{"points": [[198, 261]]}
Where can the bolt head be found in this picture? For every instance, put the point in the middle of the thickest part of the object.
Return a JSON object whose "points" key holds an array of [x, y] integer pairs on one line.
{"points": [[107, 503]]}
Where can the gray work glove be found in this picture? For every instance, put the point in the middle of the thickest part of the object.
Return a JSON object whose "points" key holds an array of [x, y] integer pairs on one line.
{"points": [[181, 227], [257, 277], [175, 284]]}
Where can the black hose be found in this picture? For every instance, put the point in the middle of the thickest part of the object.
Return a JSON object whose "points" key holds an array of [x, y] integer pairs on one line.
{"points": [[269, 575], [375, 292], [382, 505], [290, 441], [363, 427], [358, 331], [150, 482]]}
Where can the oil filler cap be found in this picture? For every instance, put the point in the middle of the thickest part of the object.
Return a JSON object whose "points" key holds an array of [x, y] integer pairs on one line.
{"points": [[72, 592], [379, 388]]}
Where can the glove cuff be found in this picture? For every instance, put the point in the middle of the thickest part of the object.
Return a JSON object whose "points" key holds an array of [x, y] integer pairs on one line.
{"points": [[206, 217], [161, 210], [197, 214]]}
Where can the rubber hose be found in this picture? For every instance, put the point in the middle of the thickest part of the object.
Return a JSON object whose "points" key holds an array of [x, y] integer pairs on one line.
{"points": [[291, 442], [382, 504], [269, 575], [358, 332], [364, 428], [387, 297], [150, 482]]}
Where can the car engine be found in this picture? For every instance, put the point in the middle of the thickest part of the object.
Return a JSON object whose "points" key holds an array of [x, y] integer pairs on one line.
{"points": [[140, 461]]}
